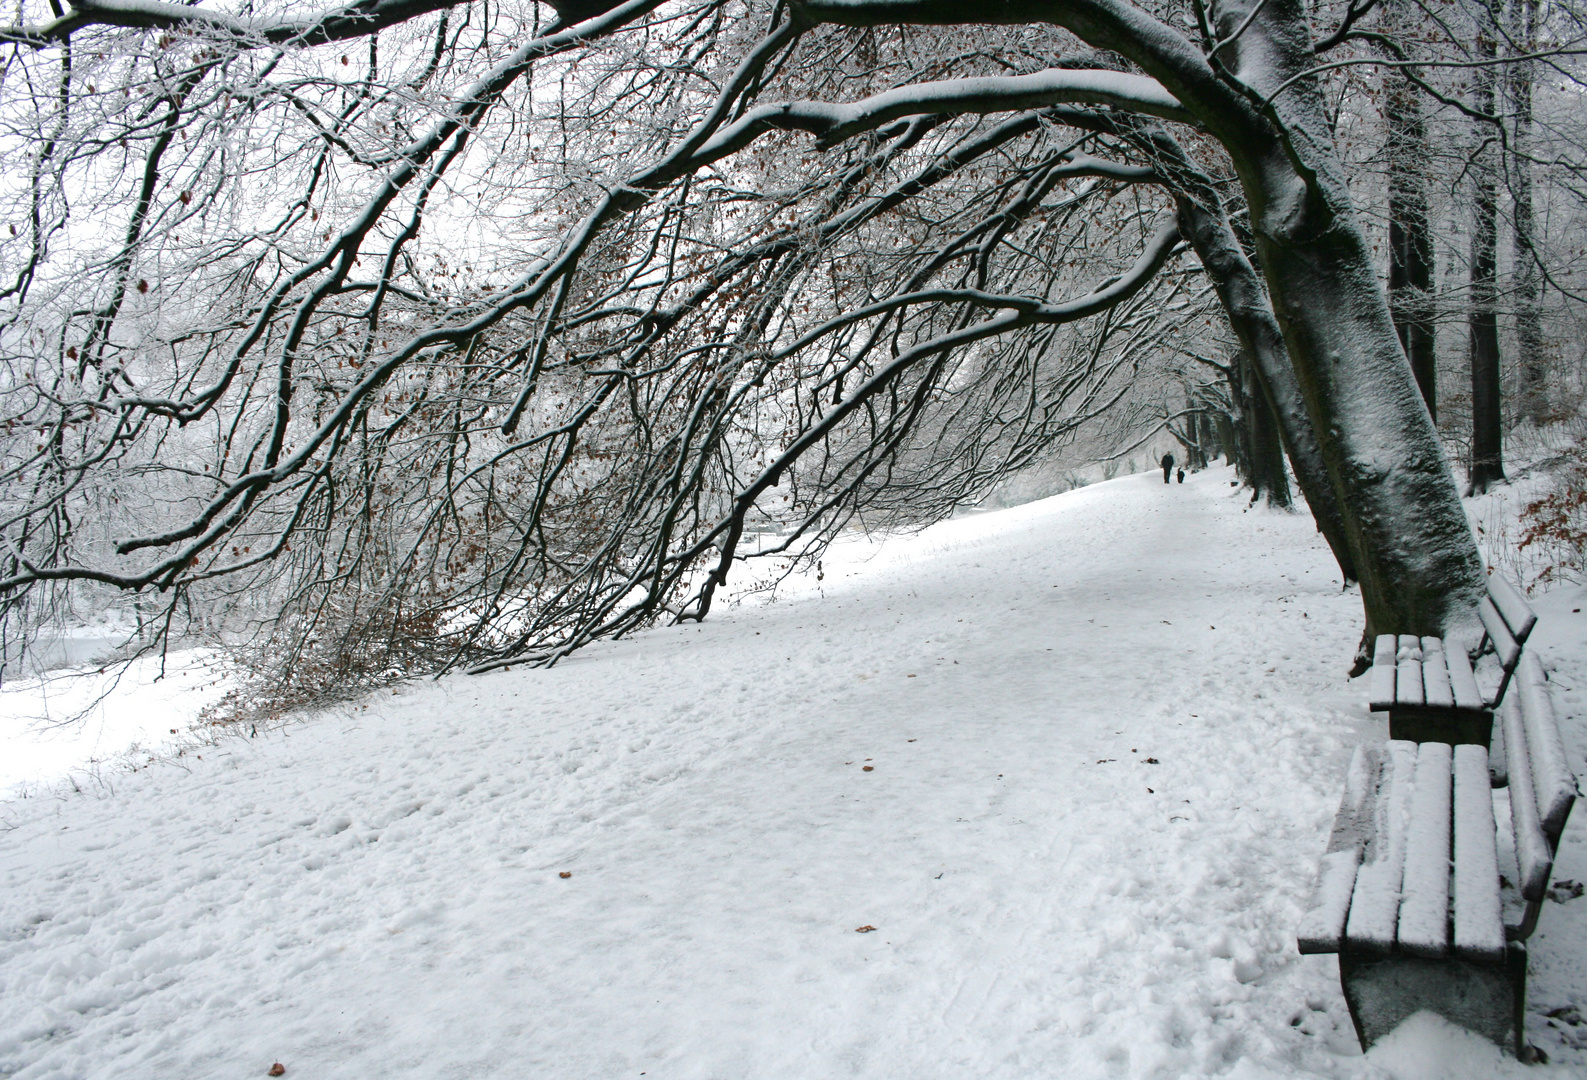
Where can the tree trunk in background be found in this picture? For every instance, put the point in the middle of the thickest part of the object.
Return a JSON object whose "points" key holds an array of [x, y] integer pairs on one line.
{"points": [[1266, 450], [1410, 238], [1231, 427], [1262, 451], [1487, 464], [1528, 316], [1195, 449]]}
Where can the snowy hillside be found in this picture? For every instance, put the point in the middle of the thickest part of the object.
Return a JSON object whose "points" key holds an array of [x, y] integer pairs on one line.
{"points": [[1073, 762]]}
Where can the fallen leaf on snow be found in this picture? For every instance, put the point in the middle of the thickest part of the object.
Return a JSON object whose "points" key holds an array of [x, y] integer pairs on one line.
{"points": [[565, 874], [866, 929], [277, 1069], [1565, 889]]}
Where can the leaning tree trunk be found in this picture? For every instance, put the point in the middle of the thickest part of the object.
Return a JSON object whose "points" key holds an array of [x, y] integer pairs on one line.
{"points": [[1419, 568], [1487, 463]]}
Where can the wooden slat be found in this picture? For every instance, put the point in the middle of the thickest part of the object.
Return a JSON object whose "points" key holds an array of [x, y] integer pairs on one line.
{"points": [[1354, 825], [1479, 931], [1322, 927], [1504, 644], [1424, 895], [1551, 777], [1435, 674], [1461, 680], [1532, 854], [1518, 614], [1498, 770], [1375, 902], [1408, 679], [1383, 673]]}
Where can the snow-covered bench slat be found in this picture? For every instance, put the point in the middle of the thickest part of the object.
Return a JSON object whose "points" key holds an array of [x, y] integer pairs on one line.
{"points": [[1505, 646], [1323, 927], [1437, 691], [1532, 855], [1383, 673], [1518, 614], [1479, 929], [1408, 679], [1424, 903], [1375, 902], [1462, 681], [1551, 777]]}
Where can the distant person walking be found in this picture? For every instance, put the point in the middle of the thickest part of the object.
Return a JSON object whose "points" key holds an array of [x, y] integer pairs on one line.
{"points": [[1168, 466]]}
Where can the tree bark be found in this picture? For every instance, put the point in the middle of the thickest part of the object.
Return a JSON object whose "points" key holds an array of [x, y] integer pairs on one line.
{"points": [[1487, 464]]}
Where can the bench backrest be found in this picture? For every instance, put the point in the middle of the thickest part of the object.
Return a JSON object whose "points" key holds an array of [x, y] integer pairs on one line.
{"points": [[1507, 620], [1542, 789]]}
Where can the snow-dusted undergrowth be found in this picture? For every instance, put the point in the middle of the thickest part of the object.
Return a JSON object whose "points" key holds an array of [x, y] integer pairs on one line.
{"points": [[1074, 762]]}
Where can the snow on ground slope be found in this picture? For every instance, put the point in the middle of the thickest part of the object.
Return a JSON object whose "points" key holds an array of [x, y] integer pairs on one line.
{"points": [[77, 727], [1073, 762]]}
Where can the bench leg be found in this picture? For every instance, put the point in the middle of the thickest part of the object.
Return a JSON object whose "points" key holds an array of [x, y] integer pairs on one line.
{"points": [[1489, 999]]}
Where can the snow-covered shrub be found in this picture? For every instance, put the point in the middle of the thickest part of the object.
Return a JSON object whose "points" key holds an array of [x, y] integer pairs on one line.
{"points": [[1555, 526], [351, 649]]}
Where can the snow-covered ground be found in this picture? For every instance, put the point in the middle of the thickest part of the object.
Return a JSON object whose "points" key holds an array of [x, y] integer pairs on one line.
{"points": [[1068, 766], [79, 727]]}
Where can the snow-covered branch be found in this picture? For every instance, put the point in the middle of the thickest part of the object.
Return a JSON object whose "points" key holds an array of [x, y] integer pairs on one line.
{"points": [[337, 24], [832, 123]]}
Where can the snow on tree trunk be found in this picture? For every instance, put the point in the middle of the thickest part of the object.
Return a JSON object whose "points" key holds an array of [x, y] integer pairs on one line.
{"points": [[1418, 564]]}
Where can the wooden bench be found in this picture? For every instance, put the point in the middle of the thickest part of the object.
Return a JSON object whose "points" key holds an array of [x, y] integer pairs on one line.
{"points": [[1431, 692], [1411, 893]]}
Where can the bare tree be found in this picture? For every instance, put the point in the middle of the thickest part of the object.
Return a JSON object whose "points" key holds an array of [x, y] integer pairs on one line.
{"points": [[484, 339]]}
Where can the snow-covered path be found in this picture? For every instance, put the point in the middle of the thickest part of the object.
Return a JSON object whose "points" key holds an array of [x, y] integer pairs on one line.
{"points": [[1104, 736]]}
